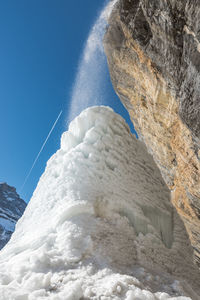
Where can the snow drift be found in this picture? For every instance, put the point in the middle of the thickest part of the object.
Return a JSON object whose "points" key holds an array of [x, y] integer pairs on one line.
{"points": [[100, 224]]}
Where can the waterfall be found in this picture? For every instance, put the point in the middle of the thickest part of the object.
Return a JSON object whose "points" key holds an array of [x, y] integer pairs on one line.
{"points": [[90, 83]]}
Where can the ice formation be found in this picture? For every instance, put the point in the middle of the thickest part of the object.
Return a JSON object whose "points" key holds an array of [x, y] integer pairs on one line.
{"points": [[100, 224]]}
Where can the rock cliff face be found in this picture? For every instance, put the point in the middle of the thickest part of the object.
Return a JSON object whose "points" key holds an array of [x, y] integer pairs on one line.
{"points": [[153, 53], [11, 209]]}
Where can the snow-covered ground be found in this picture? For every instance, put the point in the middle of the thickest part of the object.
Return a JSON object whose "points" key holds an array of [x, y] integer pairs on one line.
{"points": [[100, 224]]}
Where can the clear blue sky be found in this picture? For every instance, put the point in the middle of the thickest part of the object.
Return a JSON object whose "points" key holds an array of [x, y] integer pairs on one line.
{"points": [[41, 45]]}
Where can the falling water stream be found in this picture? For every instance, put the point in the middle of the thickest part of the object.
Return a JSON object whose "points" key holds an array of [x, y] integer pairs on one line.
{"points": [[89, 87]]}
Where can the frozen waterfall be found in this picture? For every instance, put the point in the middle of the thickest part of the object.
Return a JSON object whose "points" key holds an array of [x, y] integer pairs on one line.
{"points": [[100, 224]]}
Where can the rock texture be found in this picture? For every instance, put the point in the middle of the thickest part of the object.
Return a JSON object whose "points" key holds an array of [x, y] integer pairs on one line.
{"points": [[153, 53], [11, 209]]}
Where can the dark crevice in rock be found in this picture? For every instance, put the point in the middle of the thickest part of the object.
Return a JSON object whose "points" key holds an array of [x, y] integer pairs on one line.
{"points": [[142, 31]]}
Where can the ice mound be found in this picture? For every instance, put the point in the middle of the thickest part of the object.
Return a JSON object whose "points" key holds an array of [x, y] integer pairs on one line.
{"points": [[100, 224]]}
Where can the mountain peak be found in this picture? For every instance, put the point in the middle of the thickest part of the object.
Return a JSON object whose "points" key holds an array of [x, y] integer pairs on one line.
{"points": [[5, 187]]}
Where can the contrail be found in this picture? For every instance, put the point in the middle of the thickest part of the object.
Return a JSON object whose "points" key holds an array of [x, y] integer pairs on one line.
{"points": [[52, 128]]}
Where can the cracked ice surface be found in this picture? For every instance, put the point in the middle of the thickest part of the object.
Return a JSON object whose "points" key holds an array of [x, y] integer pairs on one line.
{"points": [[100, 224]]}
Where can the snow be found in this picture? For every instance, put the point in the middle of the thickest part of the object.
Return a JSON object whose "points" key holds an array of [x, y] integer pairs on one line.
{"points": [[100, 224]]}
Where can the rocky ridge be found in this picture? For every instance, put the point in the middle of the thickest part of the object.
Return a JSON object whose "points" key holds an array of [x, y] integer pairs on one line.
{"points": [[11, 209], [153, 53]]}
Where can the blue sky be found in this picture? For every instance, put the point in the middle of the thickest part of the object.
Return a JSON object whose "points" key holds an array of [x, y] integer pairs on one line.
{"points": [[41, 46]]}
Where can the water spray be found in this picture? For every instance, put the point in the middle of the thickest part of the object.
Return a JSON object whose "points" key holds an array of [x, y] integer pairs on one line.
{"points": [[90, 83]]}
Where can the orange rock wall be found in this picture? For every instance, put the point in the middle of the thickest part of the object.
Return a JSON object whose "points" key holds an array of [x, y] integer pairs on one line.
{"points": [[153, 107]]}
